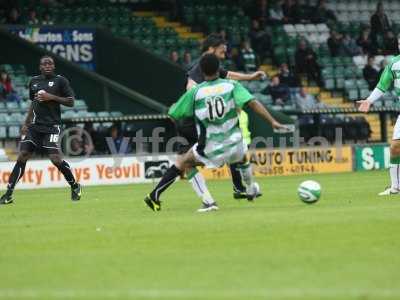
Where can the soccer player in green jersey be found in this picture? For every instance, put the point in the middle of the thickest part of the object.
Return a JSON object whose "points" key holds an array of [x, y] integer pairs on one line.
{"points": [[214, 105], [214, 44], [389, 77]]}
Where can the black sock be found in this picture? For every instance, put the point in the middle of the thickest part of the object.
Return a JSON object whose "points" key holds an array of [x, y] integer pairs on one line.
{"points": [[236, 178], [15, 175], [168, 179], [65, 169]]}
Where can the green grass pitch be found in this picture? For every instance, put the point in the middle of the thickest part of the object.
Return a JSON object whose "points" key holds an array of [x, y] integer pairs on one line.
{"points": [[110, 246]]}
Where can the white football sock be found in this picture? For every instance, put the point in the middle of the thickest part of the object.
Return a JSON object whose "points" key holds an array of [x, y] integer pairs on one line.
{"points": [[199, 185], [395, 176]]}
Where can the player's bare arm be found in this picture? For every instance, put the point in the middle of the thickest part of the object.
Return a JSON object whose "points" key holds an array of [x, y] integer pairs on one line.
{"points": [[190, 83], [259, 109], [44, 96], [246, 77], [364, 106]]}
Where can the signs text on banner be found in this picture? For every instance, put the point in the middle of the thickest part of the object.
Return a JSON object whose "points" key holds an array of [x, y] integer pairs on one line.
{"points": [[74, 44], [90, 171], [271, 162], [372, 157]]}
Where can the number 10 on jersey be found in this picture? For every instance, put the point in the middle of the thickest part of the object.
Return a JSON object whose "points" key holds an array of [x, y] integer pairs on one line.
{"points": [[216, 107]]}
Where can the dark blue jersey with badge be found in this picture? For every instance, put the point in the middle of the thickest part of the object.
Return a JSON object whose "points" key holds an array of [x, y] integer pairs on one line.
{"points": [[197, 75], [48, 113]]}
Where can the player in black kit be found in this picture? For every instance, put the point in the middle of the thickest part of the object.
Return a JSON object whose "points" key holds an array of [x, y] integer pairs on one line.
{"points": [[42, 126]]}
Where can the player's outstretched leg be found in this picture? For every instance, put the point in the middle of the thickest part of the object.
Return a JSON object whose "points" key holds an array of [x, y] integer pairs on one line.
{"points": [[65, 169], [16, 174], [187, 161], [153, 199], [252, 188], [199, 185], [394, 169]]}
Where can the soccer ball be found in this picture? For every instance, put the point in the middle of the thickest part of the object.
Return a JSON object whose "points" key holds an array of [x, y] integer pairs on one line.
{"points": [[309, 191]]}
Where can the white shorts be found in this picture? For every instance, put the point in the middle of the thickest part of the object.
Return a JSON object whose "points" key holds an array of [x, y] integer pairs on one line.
{"points": [[233, 155], [396, 130]]}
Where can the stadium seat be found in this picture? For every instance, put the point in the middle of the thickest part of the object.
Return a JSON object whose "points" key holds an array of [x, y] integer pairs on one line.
{"points": [[116, 114], [2, 107], [103, 114], [329, 83], [68, 114], [364, 93], [80, 114], [339, 83], [352, 94], [80, 104], [12, 107], [14, 132], [24, 105], [3, 119], [3, 132], [91, 114]]}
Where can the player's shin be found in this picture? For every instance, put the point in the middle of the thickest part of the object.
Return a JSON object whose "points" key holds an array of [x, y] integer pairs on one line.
{"points": [[16, 174], [199, 185], [251, 187], [168, 179], [245, 171], [395, 173], [236, 178], [65, 169]]}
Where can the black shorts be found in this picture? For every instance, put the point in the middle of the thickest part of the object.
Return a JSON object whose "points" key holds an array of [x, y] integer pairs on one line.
{"points": [[186, 130], [42, 137]]}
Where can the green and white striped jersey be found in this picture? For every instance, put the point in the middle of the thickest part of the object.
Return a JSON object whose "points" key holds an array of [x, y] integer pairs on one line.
{"points": [[214, 105], [391, 76]]}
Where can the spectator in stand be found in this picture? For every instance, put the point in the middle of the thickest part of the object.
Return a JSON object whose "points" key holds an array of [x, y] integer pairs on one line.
{"points": [[260, 40], [14, 17], [6, 85], [32, 18], [322, 14], [371, 75], [91, 139], [335, 44], [379, 22], [287, 77], [304, 100], [391, 44], [118, 139], [306, 62], [174, 57], [261, 11], [228, 41], [294, 12], [47, 20], [52, 2], [291, 11], [247, 60], [80, 142], [350, 46], [276, 16], [383, 65], [187, 60], [365, 42], [279, 92]]}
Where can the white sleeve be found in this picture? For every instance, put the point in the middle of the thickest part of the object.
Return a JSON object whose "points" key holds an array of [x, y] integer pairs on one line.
{"points": [[375, 95]]}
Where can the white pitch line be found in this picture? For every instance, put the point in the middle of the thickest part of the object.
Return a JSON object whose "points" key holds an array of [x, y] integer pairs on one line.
{"points": [[197, 293]]}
